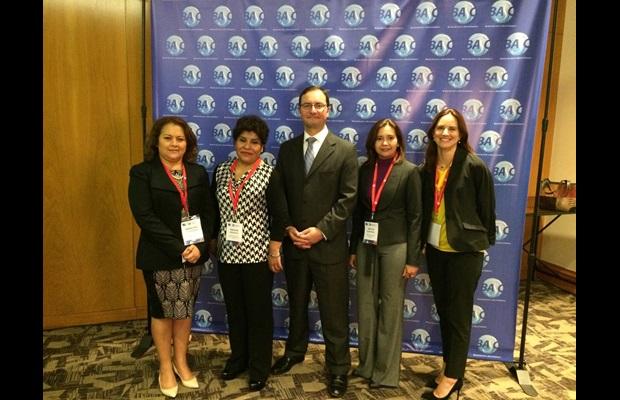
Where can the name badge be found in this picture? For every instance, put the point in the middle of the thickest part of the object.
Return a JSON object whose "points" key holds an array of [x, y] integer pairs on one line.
{"points": [[192, 230], [433, 234], [234, 232], [371, 232]]}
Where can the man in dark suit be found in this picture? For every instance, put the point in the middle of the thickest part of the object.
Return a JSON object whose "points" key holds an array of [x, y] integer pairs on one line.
{"points": [[320, 184]]}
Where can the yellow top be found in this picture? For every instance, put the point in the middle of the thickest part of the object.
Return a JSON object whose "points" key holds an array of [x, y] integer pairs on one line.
{"points": [[440, 216]]}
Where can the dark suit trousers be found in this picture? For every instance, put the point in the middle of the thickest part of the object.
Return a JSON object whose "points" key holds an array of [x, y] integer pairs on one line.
{"points": [[331, 282], [454, 278], [247, 294]]}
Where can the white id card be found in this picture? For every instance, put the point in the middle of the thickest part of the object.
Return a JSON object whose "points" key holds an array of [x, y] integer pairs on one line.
{"points": [[192, 230], [234, 232], [433, 234], [371, 232]]}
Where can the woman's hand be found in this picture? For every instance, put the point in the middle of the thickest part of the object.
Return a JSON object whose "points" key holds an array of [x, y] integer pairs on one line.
{"points": [[274, 258], [191, 254], [353, 261], [410, 271]]}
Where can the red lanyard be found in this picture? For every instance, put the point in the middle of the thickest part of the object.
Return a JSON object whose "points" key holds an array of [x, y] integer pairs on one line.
{"points": [[375, 196], [235, 194], [182, 192], [439, 193]]}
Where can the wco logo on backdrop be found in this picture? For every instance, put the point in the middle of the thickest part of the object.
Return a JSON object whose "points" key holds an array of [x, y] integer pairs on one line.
{"points": [[222, 75], [236, 105], [222, 133], [254, 16], [492, 288], [268, 158], [417, 140], [254, 76], [485, 258], [205, 104], [349, 134], [195, 129], [473, 109], [463, 12], [217, 293], [386, 77], [517, 44], [287, 323], [206, 159], [175, 103], [409, 308], [420, 339], [283, 133], [422, 77], [175, 45], [279, 297], [354, 15], [400, 108], [286, 16], [203, 318], [222, 16], [205, 45], [426, 13], [368, 45], [207, 267], [351, 77], [458, 77], [365, 108], [501, 230], [404, 45], [496, 77], [489, 141], [231, 156], [478, 44], [300, 46], [191, 74], [317, 76], [318, 329], [191, 16], [313, 301], [353, 331], [441, 45], [293, 106], [267, 106], [510, 110], [477, 314], [433, 107], [237, 46], [389, 13], [333, 46], [502, 11], [504, 171], [319, 15], [285, 76], [353, 273], [360, 161], [422, 283], [488, 344], [434, 313], [268, 46], [335, 107]]}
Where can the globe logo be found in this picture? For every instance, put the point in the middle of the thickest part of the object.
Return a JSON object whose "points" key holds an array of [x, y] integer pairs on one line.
{"points": [[504, 171], [477, 315], [463, 12], [191, 74], [417, 140], [404, 45], [286, 16], [434, 313], [433, 107], [293, 106], [313, 302], [285, 76], [389, 13], [422, 283], [205, 104], [317, 76], [400, 108], [283, 133], [254, 16], [318, 329], [365, 108], [492, 288], [502, 11], [203, 318], [351, 77], [222, 16], [517, 44], [485, 258], [422, 77], [222, 133], [441, 45], [236, 105], [217, 293], [333, 46], [195, 129], [409, 308], [478, 44], [489, 141], [458, 77], [368, 45], [206, 159], [287, 323], [267, 106], [175, 103], [207, 267], [268, 46], [237, 46], [488, 344], [335, 107], [353, 331], [205, 45], [232, 155], [175, 45], [279, 297], [473, 109], [360, 160], [420, 339], [354, 15], [300, 46], [191, 16], [268, 158], [496, 77], [222, 75], [501, 230], [254, 76], [353, 273], [319, 15], [510, 110], [426, 13], [386, 77], [349, 134]]}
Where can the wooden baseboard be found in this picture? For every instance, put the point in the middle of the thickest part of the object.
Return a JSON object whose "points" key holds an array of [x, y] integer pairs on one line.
{"points": [[99, 317], [560, 277]]}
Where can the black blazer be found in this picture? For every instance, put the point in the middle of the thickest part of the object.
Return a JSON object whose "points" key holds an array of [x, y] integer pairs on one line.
{"points": [[399, 211], [469, 202], [325, 198], [156, 207]]}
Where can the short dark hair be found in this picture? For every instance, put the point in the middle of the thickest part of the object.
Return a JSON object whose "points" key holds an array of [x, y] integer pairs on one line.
{"points": [[151, 150], [311, 88], [251, 123], [430, 161], [371, 152]]}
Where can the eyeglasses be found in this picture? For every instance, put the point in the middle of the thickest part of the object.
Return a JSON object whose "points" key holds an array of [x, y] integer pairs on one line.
{"points": [[317, 106]]}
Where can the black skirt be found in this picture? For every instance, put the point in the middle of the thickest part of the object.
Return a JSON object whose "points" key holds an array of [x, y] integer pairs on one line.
{"points": [[172, 293]]}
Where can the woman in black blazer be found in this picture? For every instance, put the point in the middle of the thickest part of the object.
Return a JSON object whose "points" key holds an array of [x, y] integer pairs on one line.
{"points": [[170, 200], [458, 224]]}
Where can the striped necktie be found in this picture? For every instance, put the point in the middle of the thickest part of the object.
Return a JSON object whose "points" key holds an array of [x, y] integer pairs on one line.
{"points": [[309, 156]]}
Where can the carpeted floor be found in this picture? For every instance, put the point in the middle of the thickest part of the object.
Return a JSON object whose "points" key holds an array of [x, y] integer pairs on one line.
{"points": [[94, 362]]}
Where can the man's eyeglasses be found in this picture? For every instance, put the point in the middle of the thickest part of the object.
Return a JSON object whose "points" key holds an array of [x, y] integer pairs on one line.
{"points": [[317, 106]]}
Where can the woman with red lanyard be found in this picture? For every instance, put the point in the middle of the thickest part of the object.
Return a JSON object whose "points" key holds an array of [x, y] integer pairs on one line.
{"points": [[250, 200], [458, 224], [170, 200], [385, 249]]}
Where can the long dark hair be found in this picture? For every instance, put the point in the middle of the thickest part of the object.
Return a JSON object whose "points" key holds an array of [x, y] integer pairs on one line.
{"points": [[371, 152], [152, 140], [430, 162]]}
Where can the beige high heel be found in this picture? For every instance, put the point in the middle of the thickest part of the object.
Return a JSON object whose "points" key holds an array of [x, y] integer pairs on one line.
{"points": [[170, 392], [190, 383]]}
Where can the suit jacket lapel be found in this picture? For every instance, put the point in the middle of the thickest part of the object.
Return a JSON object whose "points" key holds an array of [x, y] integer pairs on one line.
{"points": [[324, 152]]}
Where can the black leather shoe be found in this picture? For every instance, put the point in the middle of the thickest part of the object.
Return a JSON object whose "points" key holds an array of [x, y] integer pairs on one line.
{"points": [[458, 385], [257, 385], [145, 344], [284, 364], [337, 385], [228, 374]]}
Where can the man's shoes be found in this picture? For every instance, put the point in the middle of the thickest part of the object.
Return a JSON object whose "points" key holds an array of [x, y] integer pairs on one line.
{"points": [[256, 385], [228, 374], [337, 385], [285, 363], [145, 344]]}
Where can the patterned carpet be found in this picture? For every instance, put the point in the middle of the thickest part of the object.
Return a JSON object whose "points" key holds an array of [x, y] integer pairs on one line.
{"points": [[94, 362]]}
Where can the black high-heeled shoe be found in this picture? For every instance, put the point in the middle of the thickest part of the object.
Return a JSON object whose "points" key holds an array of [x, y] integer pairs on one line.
{"points": [[456, 388]]}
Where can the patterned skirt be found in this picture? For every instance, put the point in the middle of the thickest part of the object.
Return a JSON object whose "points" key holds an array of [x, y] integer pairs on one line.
{"points": [[172, 294]]}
